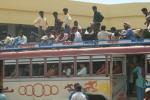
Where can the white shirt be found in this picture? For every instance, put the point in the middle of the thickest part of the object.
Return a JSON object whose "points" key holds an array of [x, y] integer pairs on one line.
{"points": [[2, 96], [86, 32], [82, 71], [68, 19], [103, 35], [78, 96], [46, 37], [78, 37], [23, 39], [41, 22], [8, 40]]}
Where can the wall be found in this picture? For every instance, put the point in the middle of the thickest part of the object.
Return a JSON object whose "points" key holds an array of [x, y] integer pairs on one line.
{"points": [[25, 12]]}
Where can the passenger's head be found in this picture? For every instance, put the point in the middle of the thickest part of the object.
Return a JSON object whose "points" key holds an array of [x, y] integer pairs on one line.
{"points": [[5, 34], [94, 8], [126, 25], [20, 33], [41, 13], [103, 27], [113, 29], [89, 29], [74, 29], [75, 85], [78, 88], [82, 65], [75, 23], [144, 11], [65, 10], [55, 14]]}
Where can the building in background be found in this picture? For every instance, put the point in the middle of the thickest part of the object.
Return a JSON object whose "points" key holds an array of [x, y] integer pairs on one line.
{"points": [[15, 14]]}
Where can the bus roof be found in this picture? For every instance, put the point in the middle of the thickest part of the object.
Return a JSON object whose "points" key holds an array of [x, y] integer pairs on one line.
{"points": [[75, 52]]}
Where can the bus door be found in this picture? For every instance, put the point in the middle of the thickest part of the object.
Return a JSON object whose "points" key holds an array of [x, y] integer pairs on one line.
{"points": [[147, 76], [1, 75], [118, 77]]}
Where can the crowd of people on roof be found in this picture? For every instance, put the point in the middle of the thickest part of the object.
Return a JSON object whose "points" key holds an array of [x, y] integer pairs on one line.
{"points": [[63, 31]]}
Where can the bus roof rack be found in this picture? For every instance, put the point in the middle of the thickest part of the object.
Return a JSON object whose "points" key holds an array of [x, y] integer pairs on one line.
{"points": [[83, 44]]}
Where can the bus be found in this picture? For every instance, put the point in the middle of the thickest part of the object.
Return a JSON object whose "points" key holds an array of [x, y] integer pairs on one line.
{"points": [[51, 74]]}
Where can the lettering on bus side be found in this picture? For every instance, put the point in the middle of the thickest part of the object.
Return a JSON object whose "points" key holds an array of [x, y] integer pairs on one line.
{"points": [[38, 90]]}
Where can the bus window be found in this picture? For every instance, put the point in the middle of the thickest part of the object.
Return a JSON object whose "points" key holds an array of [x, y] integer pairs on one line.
{"points": [[117, 67], [38, 67], [83, 65], [23, 67], [99, 65], [67, 66], [52, 67], [10, 66]]}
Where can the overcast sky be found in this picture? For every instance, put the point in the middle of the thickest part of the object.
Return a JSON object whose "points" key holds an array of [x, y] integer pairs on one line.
{"points": [[113, 1]]}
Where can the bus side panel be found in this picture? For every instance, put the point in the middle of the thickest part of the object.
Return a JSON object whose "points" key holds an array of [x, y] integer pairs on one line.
{"points": [[54, 89], [119, 87]]}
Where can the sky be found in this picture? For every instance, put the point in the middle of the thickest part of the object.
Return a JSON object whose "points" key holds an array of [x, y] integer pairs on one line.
{"points": [[112, 1]]}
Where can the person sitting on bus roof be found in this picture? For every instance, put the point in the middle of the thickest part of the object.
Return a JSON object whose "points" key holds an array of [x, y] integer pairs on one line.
{"points": [[89, 34], [82, 70], [76, 24], [8, 41], [77, 35], [129, 32], [103, 34], [20, 39], [48, 38], [64, 38]]}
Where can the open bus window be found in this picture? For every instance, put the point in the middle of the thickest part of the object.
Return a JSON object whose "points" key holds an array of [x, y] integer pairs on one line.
{"points": [[10, 68], [148, 66], [82, 69], [99, 68], [117, 67], [67, 66], [99, 64], [83, 65], [52, 69], [67, 69], [23, 67], [52, 66], [38, 67]]}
